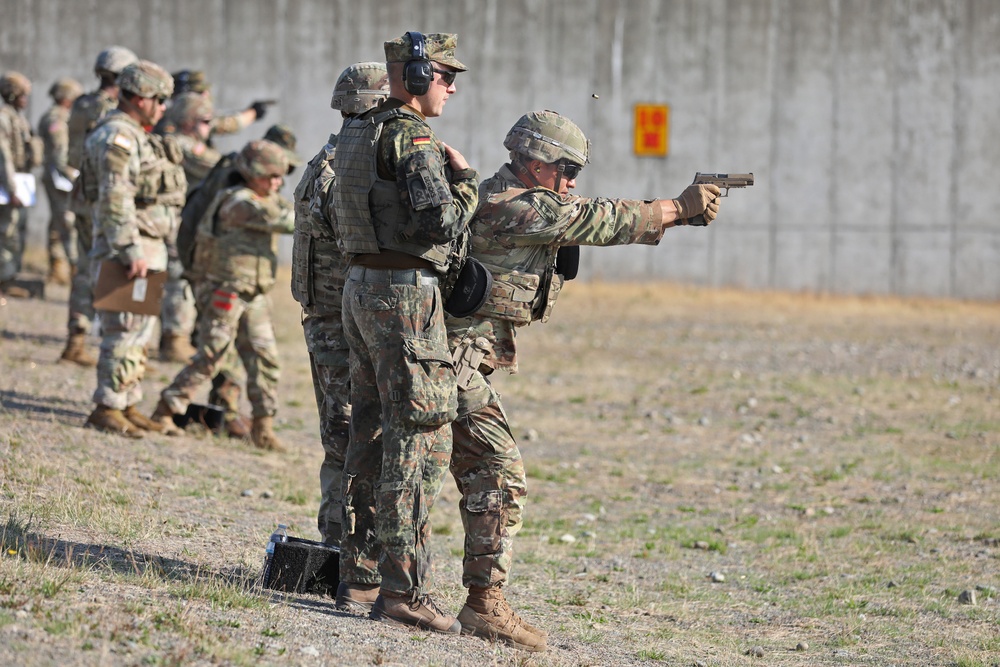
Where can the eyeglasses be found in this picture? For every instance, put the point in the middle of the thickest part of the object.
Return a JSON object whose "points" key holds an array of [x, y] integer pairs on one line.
{"points": [[206, 121], [161, 100], [569, 169], [447, 76]]}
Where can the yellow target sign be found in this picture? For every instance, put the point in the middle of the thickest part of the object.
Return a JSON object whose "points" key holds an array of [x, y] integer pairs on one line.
{"points": [[652, 130]]}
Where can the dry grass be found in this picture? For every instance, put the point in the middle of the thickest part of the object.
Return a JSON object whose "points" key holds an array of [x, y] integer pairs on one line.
{"points": [[832, 461]]}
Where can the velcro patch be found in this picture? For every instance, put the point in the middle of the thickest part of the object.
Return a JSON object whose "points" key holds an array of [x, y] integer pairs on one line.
{"points": [[198, 149], [122, 141], [54, 128], [421, 141], [224, 300]]}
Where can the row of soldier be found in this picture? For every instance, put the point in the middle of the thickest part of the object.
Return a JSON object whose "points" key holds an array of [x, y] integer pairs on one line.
{"points": [[392, 227]]}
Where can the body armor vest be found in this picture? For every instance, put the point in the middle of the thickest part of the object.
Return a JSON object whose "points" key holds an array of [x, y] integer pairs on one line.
{"points": [[521, 295], [370, 215]]}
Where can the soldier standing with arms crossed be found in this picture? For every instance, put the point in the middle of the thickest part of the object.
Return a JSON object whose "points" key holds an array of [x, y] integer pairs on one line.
{"points": [[58, 176], [402, 198], [525, 220], [87, 111], [138, 190], [318, 268]]}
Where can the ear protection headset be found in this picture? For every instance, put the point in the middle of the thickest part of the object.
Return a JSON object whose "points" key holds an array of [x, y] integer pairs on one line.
{"points": [[418, 72]]}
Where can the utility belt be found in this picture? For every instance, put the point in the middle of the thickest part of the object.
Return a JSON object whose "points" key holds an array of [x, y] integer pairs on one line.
{"points": [[418, 277], [391, 259]]}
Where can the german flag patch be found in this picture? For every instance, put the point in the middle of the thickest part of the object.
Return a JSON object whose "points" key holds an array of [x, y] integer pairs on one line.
{"points": [[421, 141]]}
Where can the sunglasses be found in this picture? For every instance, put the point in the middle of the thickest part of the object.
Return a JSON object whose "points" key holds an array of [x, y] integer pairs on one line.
{"points": [[569, 169], [446, 76], [161, 100]]}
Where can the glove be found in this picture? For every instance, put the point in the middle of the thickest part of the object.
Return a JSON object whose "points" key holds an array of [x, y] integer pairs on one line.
{"points": [[711, 212], [259, 108], [695, 201]]}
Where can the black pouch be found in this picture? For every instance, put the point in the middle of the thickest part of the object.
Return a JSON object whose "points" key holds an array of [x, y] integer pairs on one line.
{"points": [[471, 289], [568, 261], [209, 416]]}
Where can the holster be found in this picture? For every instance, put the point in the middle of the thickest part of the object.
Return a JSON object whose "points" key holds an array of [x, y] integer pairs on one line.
{"points": [[472, 355]]}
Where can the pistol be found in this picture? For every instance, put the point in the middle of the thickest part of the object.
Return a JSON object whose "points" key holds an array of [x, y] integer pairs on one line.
{"points": [[724, 181]]}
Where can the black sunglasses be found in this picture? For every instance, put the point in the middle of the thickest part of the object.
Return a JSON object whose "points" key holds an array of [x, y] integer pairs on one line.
{"points": [[569, 169], [446, 76]]}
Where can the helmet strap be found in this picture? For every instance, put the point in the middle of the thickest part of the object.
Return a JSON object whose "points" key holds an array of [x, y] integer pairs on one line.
{"points": [[525, 174]]}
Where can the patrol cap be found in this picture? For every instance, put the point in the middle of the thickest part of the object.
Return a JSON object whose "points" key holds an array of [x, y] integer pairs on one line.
{"points": [[113, 60], [261, 158], [283, 136], [438, 47], [190, 107], [65, 89], [146, 79], [549, 137], [13, 85], [360, 87], [190, 80]]}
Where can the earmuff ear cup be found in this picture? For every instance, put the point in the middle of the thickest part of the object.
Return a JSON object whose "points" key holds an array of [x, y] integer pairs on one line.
{"points": [[417, 76]]}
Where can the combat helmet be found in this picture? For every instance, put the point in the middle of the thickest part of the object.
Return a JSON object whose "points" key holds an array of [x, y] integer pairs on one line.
{"points": [[13, 85], [261, 158], [146, 79], [189, 107], [190, 80], [65, 89], [360, 87], [112, 60], [549, 137]]}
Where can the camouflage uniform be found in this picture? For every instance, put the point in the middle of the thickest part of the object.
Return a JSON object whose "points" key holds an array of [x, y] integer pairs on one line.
{"points": [[138, 190], [516, 233], [232, 300], [318, 269], [402, 381], [15, 156], [53, 128]]}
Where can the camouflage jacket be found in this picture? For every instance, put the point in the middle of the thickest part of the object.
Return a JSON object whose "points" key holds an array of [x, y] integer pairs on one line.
{"points": [[516, 229], [318, 265], [87, 112], [199, 158], [15, 140], [245, 256], [138, 191], [53, 128]]}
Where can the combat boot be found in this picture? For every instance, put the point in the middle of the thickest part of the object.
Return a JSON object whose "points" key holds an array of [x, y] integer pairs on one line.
{"points": [[487, 614], [403, 610], [162, 419], [114, 421], [263, 437], [357, 598], [14, 291], [76, 351], [237, 426], [60, 271], [176, 348], [148, 424]]}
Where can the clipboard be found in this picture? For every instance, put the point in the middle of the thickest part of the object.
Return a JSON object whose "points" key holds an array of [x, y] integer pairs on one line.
{"points": [[115, 292], [24, 188]]}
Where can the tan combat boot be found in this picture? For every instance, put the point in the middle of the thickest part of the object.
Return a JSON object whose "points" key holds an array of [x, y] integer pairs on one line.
{"points": [[162, 419], [403, 610], [487, 614], [110, 420], [76, 351], [357, 598], [237, 426], [60, 272], [263, 437], [226, 393], [14, 291], [176, 348]]}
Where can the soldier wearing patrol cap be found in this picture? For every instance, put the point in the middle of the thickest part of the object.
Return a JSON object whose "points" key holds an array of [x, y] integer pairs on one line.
{"points": [[18, 153], [138, 187], [526, 232], [87, 111], [402, 200], [318, 268], [238, 251], [282, 135], [57, 177]]}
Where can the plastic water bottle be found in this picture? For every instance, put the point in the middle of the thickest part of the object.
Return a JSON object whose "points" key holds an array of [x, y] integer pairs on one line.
{"points": [[279, 535]]}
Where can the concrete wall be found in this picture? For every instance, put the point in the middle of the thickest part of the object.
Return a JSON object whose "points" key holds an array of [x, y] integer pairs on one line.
{"points": [[869, 124]]}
